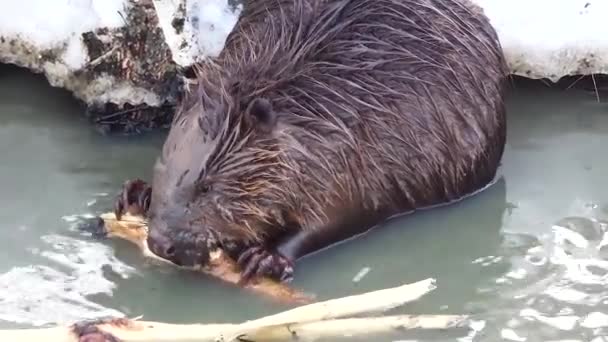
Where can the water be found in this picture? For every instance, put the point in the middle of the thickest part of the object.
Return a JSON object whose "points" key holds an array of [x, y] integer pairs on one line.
{"points": [[527, 258]]}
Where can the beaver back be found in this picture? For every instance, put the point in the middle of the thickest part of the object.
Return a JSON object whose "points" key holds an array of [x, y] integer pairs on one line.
{"points": [[382, 106]]}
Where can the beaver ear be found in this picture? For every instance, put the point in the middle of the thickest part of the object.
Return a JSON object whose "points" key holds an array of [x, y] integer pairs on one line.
{"points": [[261, 115]]}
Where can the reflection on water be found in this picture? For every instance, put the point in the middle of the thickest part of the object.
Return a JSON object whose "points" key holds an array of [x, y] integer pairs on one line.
{"points": [[528, 257]]}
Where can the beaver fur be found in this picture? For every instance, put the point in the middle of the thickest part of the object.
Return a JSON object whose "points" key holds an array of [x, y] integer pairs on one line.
{"points": [[322, 119]]}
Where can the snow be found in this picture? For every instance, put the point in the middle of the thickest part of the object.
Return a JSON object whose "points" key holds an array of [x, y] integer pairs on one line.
{"points": [[182, 54], [58, 26], [55, 28], [206, 27], [50, 22], [215, 21], [551, 38], [540, 38], [207, 24]]}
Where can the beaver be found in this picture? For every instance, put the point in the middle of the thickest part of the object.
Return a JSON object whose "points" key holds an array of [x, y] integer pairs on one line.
{"points": [[321, 119]]}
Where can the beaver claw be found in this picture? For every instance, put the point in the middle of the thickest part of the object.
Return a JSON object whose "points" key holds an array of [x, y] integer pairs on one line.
{"points": [[134, 198], [87, 331], [260, 262]]}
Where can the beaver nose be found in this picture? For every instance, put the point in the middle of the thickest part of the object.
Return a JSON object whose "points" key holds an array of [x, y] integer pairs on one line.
{"points": [[161, 245]]}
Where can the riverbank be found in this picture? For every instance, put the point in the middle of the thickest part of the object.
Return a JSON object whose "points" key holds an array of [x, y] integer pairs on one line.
{"points": [[124, 58]]}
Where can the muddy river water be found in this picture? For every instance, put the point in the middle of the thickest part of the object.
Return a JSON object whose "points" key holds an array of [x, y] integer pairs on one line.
{"points": [[527, 258]]}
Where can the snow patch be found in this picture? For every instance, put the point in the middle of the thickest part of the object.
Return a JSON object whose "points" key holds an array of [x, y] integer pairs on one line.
{"points": [[48, 23], [551, 38], [195, 29], [214, 23]]}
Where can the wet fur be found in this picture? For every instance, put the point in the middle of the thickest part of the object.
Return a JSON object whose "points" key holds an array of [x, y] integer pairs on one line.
{"points": [[327, 115]]}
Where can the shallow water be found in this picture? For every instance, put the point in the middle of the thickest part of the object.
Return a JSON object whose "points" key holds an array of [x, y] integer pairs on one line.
{"points": [[526, 257]]}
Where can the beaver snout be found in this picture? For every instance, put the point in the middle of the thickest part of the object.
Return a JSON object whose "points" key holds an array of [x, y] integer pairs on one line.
{"points": [[161, 245], [182, 249]]}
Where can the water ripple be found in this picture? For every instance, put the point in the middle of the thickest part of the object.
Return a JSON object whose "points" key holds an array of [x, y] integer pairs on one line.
{"points": [[555, 288], [41, 294]]}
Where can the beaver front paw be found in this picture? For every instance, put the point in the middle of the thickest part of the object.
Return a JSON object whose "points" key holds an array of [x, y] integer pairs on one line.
{"points": [[134, 198], [87, 331], [260, 262]]}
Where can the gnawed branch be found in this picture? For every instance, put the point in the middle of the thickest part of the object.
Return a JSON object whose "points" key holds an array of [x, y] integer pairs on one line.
{"points": [[328, 319], [133, 228]]}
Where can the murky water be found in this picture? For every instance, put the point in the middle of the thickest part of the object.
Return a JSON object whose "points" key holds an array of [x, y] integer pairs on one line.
{"points": [[527, 258]]}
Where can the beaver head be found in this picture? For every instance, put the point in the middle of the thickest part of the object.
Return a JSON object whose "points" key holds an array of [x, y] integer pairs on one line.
{"points": [[213, 183]]}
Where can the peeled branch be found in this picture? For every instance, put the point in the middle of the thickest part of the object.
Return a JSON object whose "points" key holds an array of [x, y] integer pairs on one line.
{"points": [[332, 319], [133, 228]]}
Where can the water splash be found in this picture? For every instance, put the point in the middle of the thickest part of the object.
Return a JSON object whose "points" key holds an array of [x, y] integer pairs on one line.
{"points": [[41, 294], [556, 287]]}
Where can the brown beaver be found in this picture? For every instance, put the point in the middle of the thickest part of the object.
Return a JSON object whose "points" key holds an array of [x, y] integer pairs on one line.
{"points": [[321, 119]]}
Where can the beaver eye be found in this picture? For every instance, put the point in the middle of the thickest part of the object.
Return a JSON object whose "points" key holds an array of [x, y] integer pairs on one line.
{"points": [[203, 187]]}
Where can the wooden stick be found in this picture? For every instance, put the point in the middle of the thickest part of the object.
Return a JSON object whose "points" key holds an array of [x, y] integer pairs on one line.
{"points": [[141, 331], [347, 328], [133, 229], [328, 319], [370, 302]]}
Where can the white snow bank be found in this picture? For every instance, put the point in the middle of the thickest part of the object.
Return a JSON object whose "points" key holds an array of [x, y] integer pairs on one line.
{"points": [[207, 24], [541, 38], [52, 22], [215, 21], [47, 36], [551, 38]]}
